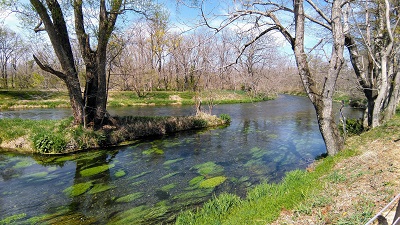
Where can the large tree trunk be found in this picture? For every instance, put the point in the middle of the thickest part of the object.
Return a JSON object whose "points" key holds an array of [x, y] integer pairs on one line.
{"points": [[330, 133], [56, 29], [75, 98], [322, 98]]}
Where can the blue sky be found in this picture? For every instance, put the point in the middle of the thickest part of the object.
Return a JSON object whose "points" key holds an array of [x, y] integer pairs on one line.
{"points": [[183, 17]]}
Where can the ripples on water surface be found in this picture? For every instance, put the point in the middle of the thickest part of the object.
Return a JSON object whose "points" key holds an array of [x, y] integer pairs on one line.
{"points": [[150, 181]]}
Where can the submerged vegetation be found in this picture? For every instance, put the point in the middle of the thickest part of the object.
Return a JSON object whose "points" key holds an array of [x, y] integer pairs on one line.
{"points": [[313, 195], [263, 203]]}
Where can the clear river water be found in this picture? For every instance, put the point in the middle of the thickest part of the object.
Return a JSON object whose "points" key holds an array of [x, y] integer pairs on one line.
{"points": [[152, 180]]}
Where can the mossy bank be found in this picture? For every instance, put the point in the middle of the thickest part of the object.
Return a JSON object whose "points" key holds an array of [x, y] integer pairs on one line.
{"points": [[58, 137]]}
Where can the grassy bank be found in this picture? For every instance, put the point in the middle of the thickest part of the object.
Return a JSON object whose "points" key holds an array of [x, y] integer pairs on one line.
{"points": [[348, 188], [21, 99], [54, 137]]}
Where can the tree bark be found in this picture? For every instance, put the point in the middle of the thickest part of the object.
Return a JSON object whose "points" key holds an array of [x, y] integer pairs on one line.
{"points": [[322, 99], [56, 29], [379, 77]]}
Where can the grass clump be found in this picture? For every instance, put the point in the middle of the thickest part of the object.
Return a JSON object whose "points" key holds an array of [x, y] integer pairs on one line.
{"points": [[225, 117]]}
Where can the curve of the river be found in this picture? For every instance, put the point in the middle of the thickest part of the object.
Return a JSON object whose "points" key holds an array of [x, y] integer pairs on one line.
{"points": [[150, 181]]}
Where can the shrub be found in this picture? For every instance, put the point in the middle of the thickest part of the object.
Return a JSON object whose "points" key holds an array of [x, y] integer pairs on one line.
{"points": [[49, 143], [225, 117], [354, 127], [199, 123]]}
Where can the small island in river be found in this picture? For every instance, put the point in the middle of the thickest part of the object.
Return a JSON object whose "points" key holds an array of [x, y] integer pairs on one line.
{"points": [[61, 136]]}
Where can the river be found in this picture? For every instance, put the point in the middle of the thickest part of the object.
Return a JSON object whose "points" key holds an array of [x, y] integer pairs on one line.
{"points": [[150, 181]]}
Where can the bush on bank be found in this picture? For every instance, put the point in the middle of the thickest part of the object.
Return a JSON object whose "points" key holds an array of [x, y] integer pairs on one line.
{"points": [[55, 137]]}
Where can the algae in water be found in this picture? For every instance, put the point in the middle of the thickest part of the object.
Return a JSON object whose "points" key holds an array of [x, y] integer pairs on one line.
{"points": [[169, 175], [120, 173], [78, 189], [130, 197], [209, 169], [212, 182], [172, 161], [96, 170], [97, 188]]}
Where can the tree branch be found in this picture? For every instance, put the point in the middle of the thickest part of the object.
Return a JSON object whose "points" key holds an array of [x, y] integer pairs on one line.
{"points": [[49, 69], [39, 27], [319, 11]]}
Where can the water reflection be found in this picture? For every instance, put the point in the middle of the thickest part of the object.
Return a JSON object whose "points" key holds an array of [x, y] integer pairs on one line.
{"points": [[152, 180]]}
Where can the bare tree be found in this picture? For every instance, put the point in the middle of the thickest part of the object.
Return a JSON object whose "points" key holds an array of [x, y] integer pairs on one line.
{"points": [[264, 18], [93, 39], [10, 44], [372, 39]]}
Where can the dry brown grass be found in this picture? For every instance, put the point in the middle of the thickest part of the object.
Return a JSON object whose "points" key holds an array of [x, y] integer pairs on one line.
{"points": [[359, 186]]}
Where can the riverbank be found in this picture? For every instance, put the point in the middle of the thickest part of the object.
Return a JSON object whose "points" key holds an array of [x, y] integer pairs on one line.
{"points": [[24, 99], [60, 137], [349, 188]]}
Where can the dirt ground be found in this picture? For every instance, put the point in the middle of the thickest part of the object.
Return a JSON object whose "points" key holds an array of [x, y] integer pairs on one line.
{"points": [[358, 188]]}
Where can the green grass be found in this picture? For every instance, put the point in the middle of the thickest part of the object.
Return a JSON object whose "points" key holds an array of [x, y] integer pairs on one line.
{"points": [[33, 99], [52, 99], [58, 136], [264, 202], [14, 128]]}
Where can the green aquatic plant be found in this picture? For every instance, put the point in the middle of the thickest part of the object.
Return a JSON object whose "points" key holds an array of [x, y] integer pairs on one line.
{"points": [[168, 187], [172, 161], [257, 152], [66, 158], [38, 175], [153, 151], [169, 175], [78, 189], [120, 173], [13, 219], [193, 194], [139, 175], [139, 215], [212, 182], [23, 164], [130, 197], [130, 216], [138, 183], [96, 170], [97, 188], [209, 169], [196, 180]]}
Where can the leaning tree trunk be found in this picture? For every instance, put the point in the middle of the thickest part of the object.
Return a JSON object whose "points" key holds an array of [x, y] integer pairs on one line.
{"points": [[56, 28]]}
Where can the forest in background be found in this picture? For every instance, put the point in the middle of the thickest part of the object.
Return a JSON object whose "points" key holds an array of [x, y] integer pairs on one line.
{"points": [[150, 56]]}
